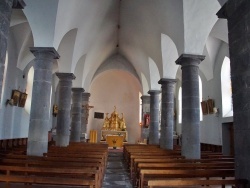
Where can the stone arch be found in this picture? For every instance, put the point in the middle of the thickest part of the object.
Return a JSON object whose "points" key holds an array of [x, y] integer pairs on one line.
{"points": [[117, 62], [145, 85], [66, 50], [196, 30], [169, 56], [154, 75]]}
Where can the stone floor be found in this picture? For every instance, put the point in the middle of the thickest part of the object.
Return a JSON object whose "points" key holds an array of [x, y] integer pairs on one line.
{"points": [[116, 175]]}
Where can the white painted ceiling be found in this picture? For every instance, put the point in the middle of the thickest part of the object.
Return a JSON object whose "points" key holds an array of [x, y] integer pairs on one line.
{"points": [[147, 34]]}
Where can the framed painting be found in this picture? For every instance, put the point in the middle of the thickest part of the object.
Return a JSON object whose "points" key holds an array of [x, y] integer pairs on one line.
{"points": [[204, 107], [210, 106], [22, 100], [16, 97]]}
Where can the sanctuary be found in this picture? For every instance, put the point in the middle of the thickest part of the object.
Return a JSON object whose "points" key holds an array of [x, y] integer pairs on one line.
{"points": [[114, 129]]}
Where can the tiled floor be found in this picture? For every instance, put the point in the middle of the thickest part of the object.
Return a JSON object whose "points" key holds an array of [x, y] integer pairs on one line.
{"points": [[116, 175]]}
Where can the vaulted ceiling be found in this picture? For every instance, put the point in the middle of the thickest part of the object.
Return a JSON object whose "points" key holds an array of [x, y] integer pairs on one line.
{"points": [[144, 36]]}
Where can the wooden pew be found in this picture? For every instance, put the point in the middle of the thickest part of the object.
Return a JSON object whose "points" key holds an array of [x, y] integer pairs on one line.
{"points": [[155, 156], [40, 161], [239, 183], [49, 176], [179, 166], [146, 175]]}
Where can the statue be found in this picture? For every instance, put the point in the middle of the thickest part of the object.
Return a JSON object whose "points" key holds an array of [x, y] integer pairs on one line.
{"points": [[114, 123], [106, 123], [114, 120], [122, 123], [114, 126]]}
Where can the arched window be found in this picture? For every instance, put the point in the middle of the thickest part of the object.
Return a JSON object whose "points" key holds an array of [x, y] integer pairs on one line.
{"points": [[29, 90], [226, 89], [200, 94], [180, 105], [180, 101], [4, 76]]}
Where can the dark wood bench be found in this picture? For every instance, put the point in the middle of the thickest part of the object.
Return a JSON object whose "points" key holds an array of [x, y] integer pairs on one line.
{"points": [[239, 183], [154, 156], [49, 176], [146, 175], [179, 166]]}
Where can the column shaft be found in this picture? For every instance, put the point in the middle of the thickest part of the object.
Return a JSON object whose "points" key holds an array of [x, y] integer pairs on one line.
{"points": [[64, 107], [154, 117], [76, 114], [40, 104], [167, 113], [190, 105], [5, 14], [145, 110], [85, 111], [238, 16]]}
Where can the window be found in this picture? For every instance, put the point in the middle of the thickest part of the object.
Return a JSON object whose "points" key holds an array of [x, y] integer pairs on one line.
{"points": [[226, 89]]}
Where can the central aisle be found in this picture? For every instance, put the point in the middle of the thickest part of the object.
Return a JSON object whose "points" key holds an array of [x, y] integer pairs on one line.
{"points": [[116, 175]]}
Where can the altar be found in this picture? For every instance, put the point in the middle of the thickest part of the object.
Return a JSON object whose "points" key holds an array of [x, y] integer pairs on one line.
{"points": [[114, 141], [114, 131]]}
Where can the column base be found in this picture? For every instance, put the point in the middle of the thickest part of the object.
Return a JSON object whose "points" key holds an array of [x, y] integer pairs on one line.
{"points": [[62, 140], [37, 148]]}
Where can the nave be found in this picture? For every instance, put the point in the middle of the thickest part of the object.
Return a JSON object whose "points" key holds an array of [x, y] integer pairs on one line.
{"points": [[96, 166], [116, 175]]}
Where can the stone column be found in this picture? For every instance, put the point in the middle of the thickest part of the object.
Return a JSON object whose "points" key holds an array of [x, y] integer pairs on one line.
{"points": [[167, 113], [64, 108], [76, 109], [154, 117], [85, 111], [238, 16], [5, 15], [40, 104], [145, 110], [190, 105]]}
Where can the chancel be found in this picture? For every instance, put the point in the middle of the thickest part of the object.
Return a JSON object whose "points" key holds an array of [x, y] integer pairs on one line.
{"points": [[114, 128]]}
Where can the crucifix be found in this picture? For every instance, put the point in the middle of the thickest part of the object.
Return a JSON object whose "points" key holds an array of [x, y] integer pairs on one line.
{"points": [[86, 108]]}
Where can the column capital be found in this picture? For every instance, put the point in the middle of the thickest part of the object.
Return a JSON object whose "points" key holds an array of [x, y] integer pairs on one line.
{"points": [[77, 89], [154, 92], [189, 59], [65, 76], [86, 94], [18, 4], [45, 50], [145, 97], [167, 81]]}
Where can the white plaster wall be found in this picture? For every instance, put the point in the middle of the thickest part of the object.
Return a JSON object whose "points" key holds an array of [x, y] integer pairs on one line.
{"points": [[120, 89], [13, 119]]}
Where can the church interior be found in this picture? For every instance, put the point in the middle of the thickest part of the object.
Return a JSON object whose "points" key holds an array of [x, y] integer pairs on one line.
{"points": [[103, 87]]}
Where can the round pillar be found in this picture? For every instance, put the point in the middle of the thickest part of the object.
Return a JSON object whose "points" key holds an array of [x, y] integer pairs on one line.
{"points": [[145, 110], [167, 113], [190, 105], [75, 134], [154, 117], [40, 104], [85, 111], [64, 107]]}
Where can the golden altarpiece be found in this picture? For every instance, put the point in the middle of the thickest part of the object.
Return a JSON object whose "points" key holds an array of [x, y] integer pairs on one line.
{"points": [[114, 131]]}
